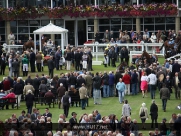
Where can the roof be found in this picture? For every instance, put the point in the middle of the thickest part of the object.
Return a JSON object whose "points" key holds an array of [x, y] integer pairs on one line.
{"points": [[50, 29]]}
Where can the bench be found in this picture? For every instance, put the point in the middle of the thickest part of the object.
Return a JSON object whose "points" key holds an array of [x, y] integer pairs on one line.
{"points": [[8, 101], [44, 100]]}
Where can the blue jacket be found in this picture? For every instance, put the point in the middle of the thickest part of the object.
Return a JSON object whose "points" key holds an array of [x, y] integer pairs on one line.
{"points": [[111, 79], [134, 78], [120, 86]]}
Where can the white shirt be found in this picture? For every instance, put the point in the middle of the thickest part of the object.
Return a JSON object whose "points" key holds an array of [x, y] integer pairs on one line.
{"points": [[152, 79], [144, 78], [153, 38]]}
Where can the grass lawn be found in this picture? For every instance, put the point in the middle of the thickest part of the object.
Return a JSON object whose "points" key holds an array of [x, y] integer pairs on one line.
{"points": [[109, 105]]}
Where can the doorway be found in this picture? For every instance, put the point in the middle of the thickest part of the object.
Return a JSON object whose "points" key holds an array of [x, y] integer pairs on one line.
{"points": [[71, 30], [82, 34]]}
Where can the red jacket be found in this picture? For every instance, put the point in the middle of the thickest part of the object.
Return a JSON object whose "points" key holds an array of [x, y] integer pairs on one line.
{"points": [[10, 95], [6, 85], [126, 79]]}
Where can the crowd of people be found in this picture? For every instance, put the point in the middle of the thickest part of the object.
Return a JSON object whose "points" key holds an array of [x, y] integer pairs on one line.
{"points": [[86, 85], [83, 84]]}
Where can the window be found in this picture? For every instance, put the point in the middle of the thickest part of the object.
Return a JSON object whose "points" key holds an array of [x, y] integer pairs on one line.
{"points": [[90, 21], [116, 21], [59, 22], [22, 23], [103, 21], [34, 23], [45, 22]]}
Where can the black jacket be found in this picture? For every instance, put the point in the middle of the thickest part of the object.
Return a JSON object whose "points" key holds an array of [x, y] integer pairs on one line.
{"points": [[105, 79], [15, 66], [29, 80], [65, 100], [77, 57], [36, 83], [32, 57], [3, 62], [45, 79], [63, 81], [80, 81], [154, 111], [18, 89], [72, 80], [68, 56], [117, 77], [50, 64], [29, 98], [97, 82]]}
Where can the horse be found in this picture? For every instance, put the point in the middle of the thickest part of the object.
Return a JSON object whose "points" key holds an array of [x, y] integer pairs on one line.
{"points": [[122, 66], [28, 45], [169, 47], [146, 56]]}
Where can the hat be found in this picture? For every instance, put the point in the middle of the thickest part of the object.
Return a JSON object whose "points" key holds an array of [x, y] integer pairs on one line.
{"points": [[164, 119], [73, 113]]}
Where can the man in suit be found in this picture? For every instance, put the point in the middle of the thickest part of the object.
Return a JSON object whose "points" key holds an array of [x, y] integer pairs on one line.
{"points": [[15, 67], [77, 58], [83, 95], [44, 78], [73, 120], [175, 67], [177, 85], [88, 83], [3, 64], [106, 36], [34, 115], [164, 95], [50, 66], [66, 101], [36, 84], [38, 61], [47, 113], [32, 60]]}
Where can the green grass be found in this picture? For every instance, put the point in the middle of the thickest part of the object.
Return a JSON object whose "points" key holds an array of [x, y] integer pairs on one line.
{"points": [[109, 105]]}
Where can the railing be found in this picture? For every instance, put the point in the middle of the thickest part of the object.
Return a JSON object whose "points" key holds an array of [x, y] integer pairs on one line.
{"points": [[149, 47], [12, 47]]}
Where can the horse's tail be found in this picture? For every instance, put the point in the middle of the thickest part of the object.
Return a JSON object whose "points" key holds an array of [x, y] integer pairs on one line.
{"points": [[161, 47]]}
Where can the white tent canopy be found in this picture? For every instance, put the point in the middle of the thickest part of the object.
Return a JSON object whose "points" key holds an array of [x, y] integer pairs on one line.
{"points": [[52, 29]]}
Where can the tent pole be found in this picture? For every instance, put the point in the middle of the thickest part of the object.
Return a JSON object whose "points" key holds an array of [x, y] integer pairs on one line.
{"points": [[39, 42], [35, 43], [62, 42]]}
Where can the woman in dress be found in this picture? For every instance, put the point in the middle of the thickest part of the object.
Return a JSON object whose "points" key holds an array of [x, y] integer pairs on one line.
{"points": [[144, 84]]}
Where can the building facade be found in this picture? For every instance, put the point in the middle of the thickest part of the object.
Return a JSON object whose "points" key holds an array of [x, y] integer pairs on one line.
{"points": [[82, 29]]}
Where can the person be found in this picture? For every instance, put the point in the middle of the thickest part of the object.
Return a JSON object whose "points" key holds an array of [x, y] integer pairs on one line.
{"points": [[177, 125], [11, 38], [50, 66], [15, 67], [10, 60], [66, 101], [126, 109], [105, 79], [25, 63], [38, 61], [73, 119], [164, 95], [152, 80], [47, 114], [163, 127], [111, 84], [144, 84], [154, 114], [3, 64], [60, 91], [48, 97], [28, 87], [97, 115], [18, 90], [88, 83], [22, 116], [29, 98], [96, 88], [127, 79], [176, 83], [143, 114], [42, 90], [68, 59], [32, 60], [120, 86], [83, 96], [9, 96], [2, 94]]}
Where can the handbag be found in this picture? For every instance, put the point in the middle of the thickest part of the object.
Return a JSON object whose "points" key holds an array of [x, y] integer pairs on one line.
{"points": [[142, 114]]}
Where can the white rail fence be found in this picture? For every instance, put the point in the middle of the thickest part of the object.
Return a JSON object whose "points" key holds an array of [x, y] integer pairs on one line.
{"points": [[149, 47], [13, 47]]}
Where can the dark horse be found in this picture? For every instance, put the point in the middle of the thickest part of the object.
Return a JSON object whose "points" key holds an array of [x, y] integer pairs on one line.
{"points": [[122, 67], [169, 47], [28, 45]]}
